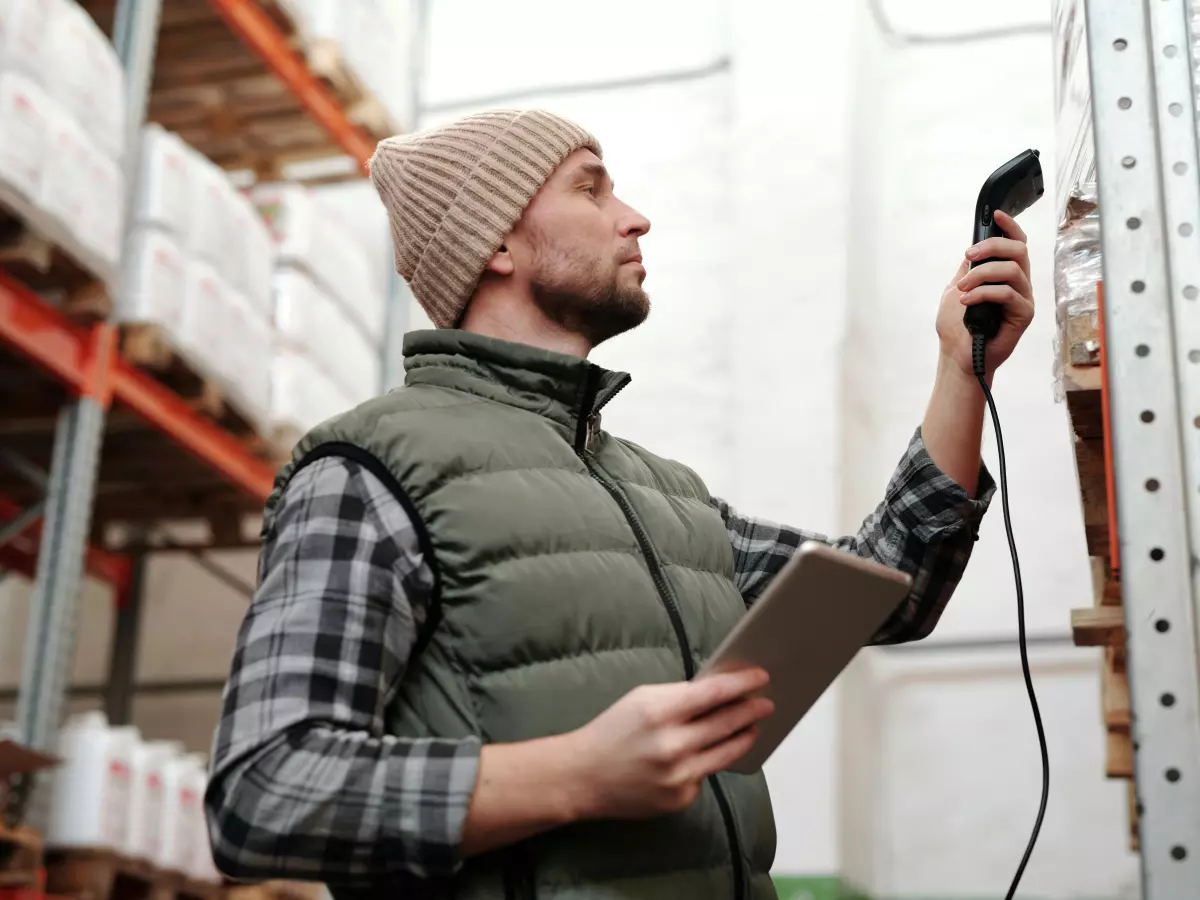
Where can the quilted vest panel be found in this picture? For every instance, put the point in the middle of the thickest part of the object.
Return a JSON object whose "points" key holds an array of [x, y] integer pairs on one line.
{"points": [[561, 551]]}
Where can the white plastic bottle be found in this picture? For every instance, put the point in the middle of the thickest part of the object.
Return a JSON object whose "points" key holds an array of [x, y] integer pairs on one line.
{"points": [[90, 797], [146, 798], [183, 796]]}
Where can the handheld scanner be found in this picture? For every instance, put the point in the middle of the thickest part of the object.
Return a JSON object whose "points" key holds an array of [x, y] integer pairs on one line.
{"points": [[1013, 188]]}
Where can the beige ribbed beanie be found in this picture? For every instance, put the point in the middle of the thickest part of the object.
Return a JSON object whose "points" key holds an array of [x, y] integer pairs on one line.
{"points": [[452, 194]]}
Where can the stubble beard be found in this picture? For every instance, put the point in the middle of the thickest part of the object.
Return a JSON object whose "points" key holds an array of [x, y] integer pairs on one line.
{"points": [[583, 297]]}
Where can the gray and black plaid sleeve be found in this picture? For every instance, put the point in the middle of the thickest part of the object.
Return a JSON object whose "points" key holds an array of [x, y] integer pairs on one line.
{"points": [[926, 525], [304, 783]]}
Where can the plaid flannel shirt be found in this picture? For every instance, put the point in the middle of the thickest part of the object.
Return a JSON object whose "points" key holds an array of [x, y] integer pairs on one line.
{"points": [[305, 781]]}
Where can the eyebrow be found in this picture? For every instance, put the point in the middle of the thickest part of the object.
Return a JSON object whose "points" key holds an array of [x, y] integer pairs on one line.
{"points": [[595, 170]]}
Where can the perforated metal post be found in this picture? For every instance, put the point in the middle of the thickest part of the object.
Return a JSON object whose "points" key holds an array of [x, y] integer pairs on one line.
{"points": [[1146, 158], [50, 640]]}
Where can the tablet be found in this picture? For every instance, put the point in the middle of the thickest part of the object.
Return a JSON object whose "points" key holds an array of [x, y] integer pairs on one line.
{"points": [[822, 607]]}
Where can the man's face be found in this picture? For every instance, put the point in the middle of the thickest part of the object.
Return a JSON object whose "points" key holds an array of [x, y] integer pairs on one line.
{"points": [[577, 246]]}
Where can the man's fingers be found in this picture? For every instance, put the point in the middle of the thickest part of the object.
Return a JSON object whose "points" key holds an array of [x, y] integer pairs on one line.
{"points": [[723, 755], [718, 726], [1001, 248], [1009, 225], [1002, 272], [1016, 306], [705, 694]]}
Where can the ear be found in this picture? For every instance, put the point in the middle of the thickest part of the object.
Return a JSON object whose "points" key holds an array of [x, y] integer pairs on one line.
{"points": [[501, 262]]}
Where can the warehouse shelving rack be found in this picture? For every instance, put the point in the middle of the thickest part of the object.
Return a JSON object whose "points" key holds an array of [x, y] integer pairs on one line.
{"points": [[162, 459], [1135, 410]]}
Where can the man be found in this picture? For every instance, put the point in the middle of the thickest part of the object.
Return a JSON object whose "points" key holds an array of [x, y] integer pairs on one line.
{"points": [[466, 670]]}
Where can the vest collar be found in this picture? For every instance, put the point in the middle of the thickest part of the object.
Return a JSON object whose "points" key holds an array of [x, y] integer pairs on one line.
{"points": [[564, 388]]}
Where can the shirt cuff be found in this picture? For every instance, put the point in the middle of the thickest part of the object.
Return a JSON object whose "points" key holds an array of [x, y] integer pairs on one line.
{"points": [[929, 501]]}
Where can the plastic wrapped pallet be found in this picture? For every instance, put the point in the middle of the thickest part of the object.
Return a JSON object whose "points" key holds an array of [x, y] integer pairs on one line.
{"points": [[1077, 272], [252, 266], [310, 238], [205, 306], [372, 39], [23, 28], [163, 193], [67, 192], [25, 115], [212, 236], [153, 282], [104, 221], [309, 319], [302, 393], [85, 75], [245, 357], [1074, 141]]}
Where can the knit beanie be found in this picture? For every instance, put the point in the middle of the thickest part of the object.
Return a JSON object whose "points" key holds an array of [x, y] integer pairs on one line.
{"points": [[452, 194]]}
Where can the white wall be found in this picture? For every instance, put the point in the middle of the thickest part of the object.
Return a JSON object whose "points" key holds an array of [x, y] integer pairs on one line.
{"points": [[954, 773]]}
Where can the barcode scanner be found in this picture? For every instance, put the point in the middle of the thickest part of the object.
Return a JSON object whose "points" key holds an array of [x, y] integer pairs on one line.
{"points": [[1013, 188]]}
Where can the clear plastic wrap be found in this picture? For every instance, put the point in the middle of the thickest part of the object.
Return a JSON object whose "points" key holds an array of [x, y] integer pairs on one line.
{"points": [[1077, 272], [309, 237], [152, 280], [306, 317], [26, 113], [163, 194], [1075, 145]]}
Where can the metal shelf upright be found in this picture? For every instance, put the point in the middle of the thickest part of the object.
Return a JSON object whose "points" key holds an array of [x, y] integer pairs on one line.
{"points": [[1144, 122]]}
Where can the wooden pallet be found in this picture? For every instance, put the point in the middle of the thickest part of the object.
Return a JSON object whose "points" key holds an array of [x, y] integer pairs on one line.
{"points": [[148, 346], [1103, 623], [220, 98], [20, 857], [39, 252], [104, 875]]}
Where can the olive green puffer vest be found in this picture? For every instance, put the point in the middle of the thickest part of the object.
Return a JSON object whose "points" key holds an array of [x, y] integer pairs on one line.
{"points": [[571, 566]]}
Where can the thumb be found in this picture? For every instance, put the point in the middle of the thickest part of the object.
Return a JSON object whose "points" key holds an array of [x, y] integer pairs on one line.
{"points": [[963, 268]]}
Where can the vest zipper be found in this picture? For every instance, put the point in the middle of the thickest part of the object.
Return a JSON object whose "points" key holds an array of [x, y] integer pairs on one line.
{"points": [[667, 595]]}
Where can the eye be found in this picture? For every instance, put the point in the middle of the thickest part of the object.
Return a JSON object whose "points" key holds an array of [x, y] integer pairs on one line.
{"points": [[591, 189]]}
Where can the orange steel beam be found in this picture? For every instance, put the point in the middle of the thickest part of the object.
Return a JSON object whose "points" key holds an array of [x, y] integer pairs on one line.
{"points": [[251, 23], [41, 333], [70, 353], [171, 414]]}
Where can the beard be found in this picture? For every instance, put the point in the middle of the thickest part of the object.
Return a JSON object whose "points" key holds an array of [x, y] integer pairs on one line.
{"points": [[586, 296]]}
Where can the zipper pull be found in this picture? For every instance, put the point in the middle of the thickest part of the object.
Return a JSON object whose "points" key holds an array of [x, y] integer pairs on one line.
{"points": [[593, 432]]}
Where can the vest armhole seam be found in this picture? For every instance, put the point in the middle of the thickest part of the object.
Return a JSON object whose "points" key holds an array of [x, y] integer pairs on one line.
{"points": [[377, 468]]}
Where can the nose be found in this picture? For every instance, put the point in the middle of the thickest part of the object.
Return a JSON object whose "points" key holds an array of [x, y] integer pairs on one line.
{"points": [[633, 223]]}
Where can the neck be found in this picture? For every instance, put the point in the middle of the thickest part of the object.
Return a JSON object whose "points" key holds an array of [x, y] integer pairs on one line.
{"points": [[508, 315]]}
